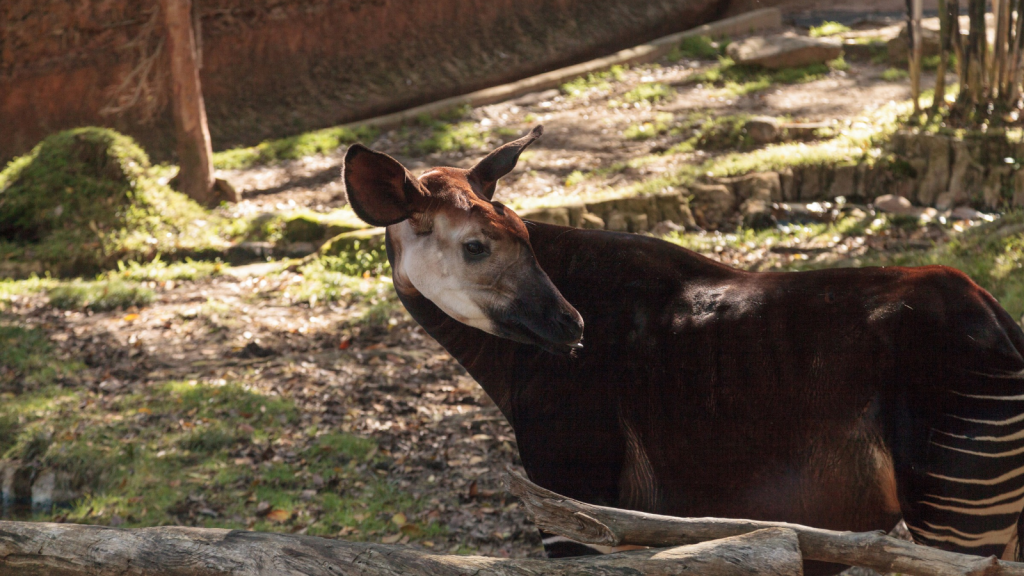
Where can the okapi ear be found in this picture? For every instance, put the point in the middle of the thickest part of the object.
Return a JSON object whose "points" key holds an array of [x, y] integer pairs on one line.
{"points": [[500, 162], [381, 191]]}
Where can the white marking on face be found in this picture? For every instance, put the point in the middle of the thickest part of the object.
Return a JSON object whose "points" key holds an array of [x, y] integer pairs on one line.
{"points": [[434, 265]]}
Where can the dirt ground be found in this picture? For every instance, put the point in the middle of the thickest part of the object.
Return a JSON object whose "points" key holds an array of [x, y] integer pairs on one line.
{"points": [[585, 132], [441, 438]]}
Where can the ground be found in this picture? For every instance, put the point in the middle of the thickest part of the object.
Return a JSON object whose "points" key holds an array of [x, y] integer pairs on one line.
{"points": [[299, 396]]}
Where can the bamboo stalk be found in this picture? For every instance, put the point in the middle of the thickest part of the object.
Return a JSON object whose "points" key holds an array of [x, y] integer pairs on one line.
{"points": [[917, 48], [944, 41]]}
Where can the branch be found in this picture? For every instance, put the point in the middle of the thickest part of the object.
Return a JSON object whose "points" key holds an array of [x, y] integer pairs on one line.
{"points": [[36, 549], [614, 527]]}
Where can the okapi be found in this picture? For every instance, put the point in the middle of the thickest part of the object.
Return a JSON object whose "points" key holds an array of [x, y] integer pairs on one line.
{"points": [[843, 399]]}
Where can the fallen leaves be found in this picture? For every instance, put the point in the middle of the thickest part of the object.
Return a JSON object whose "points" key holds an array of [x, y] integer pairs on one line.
{"points": [[279, 515]]}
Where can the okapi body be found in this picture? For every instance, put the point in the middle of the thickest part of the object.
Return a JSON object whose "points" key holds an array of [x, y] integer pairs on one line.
{"points": [[844, 399]]}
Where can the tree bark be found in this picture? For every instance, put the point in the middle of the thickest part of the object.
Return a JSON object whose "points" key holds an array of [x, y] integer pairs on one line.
{"points": [[195, 153], [614, 527], [38, 549]]}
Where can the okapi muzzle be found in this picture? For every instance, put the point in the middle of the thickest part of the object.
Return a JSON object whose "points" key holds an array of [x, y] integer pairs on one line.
{"points": [[468, 255]]}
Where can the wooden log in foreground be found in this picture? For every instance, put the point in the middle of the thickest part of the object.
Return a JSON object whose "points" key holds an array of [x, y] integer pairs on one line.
{"points": [[615, 527], [38, 549]]}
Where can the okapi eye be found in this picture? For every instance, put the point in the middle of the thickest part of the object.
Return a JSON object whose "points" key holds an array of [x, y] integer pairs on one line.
{"points": [[475, 248]]}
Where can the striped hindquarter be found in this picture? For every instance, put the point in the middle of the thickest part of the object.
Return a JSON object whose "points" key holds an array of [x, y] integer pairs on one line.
{"points": [[969, 488]]}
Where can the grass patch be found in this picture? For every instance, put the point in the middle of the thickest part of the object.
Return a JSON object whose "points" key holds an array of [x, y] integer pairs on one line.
{"points": [[660, 124], [649, 92], [189, 453], [992, 255], [739, 79], [895, 75], [99, 295], [828, 28], [598, 81], [697, 47], [85, 198], [28, 362], [293, 147], [160, 271]]}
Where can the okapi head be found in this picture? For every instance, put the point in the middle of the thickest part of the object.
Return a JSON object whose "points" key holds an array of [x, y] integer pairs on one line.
{"points": [[468, 255]]}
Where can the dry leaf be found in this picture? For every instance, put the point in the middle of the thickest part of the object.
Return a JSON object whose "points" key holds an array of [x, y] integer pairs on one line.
{"points": [[391, 539], [399, 519], [278, 515], [412, 530], [145, 410], [131, 318]]}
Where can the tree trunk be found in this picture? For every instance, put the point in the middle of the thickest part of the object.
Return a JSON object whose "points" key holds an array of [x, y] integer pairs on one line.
{"points": [[614, 527], [195, 153], [38, 549]]}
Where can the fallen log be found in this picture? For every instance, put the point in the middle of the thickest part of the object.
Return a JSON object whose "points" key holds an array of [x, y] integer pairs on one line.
{"points": [[606, 526], [37, 549]]}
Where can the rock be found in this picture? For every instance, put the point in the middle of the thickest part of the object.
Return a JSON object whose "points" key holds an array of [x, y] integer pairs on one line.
{"points": [[804, 212], [712, 204], [665, 227], [617, 222], [575, 212], [896, 205], [784, 51], [964, 213], [558, 216], [806, 130], [299, 249], [757, 214], [638, 223], [762, 129], [245, 252], [367, 239], [843, 182], [762, 185], [812, 182], [224, 192], [899, 47], [686, 218], [789, 184], [944, 201], [591, 222], [536, 97], [303, 228], [992, 190], [936, 172]]}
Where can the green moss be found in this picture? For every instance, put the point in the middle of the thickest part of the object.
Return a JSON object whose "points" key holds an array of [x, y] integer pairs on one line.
{"points": [[741, 79], [99, 296], [646, 130], [650, 92], [307, 144], [828, 29], [85, 198], [895, 75], [28, 361], [699, 47], [160, 271], [599, 81]]}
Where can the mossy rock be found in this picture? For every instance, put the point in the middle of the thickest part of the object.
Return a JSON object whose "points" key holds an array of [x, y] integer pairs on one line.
{"points": [[85, 198], [367, 239], [303, 228]]}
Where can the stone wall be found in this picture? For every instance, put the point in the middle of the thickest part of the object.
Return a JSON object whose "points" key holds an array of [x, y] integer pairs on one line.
{"points": [[929, 170]]}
